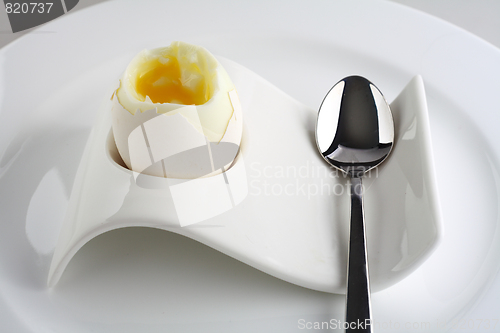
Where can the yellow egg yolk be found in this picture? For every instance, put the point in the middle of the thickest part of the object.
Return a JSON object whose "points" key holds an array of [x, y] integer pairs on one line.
{"points": [[164, 81]]}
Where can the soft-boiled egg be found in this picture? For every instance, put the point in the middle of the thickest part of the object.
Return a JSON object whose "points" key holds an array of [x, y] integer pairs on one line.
{"points": [[176, 114]]}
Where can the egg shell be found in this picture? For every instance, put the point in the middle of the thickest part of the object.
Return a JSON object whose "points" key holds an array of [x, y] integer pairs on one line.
{"points": [[180, 141]]}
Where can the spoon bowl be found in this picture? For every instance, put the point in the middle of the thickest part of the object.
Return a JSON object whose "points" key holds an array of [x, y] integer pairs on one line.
{"points": [[355, 133], [355, 129]]}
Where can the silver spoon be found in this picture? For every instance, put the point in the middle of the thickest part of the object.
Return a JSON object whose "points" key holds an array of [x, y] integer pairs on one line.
{"points": [[355, 133]]}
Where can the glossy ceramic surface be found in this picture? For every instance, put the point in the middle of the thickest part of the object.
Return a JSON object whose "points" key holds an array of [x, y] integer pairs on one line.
{"points": [[146, 280], [246, 212]]}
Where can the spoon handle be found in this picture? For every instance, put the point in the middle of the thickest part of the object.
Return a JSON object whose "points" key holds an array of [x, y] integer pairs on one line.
{"points": [[358, 312]]}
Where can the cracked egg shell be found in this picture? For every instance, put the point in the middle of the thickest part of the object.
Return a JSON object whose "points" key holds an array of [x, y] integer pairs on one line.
{"points": [[176, 114]]}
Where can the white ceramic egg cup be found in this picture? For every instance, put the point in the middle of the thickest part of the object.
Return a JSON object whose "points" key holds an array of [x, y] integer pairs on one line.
{"points": [[279, 207]]}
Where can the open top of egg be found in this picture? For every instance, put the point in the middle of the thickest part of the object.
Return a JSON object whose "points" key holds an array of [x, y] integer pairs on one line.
{"points": [[179, 74]]}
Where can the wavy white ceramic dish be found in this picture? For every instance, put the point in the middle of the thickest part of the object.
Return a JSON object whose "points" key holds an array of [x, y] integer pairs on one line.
{"points": [[141, 279], [279, 208]]}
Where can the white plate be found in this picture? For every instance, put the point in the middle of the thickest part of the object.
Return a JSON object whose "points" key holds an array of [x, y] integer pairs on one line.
{"points": [[303, 49]]}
